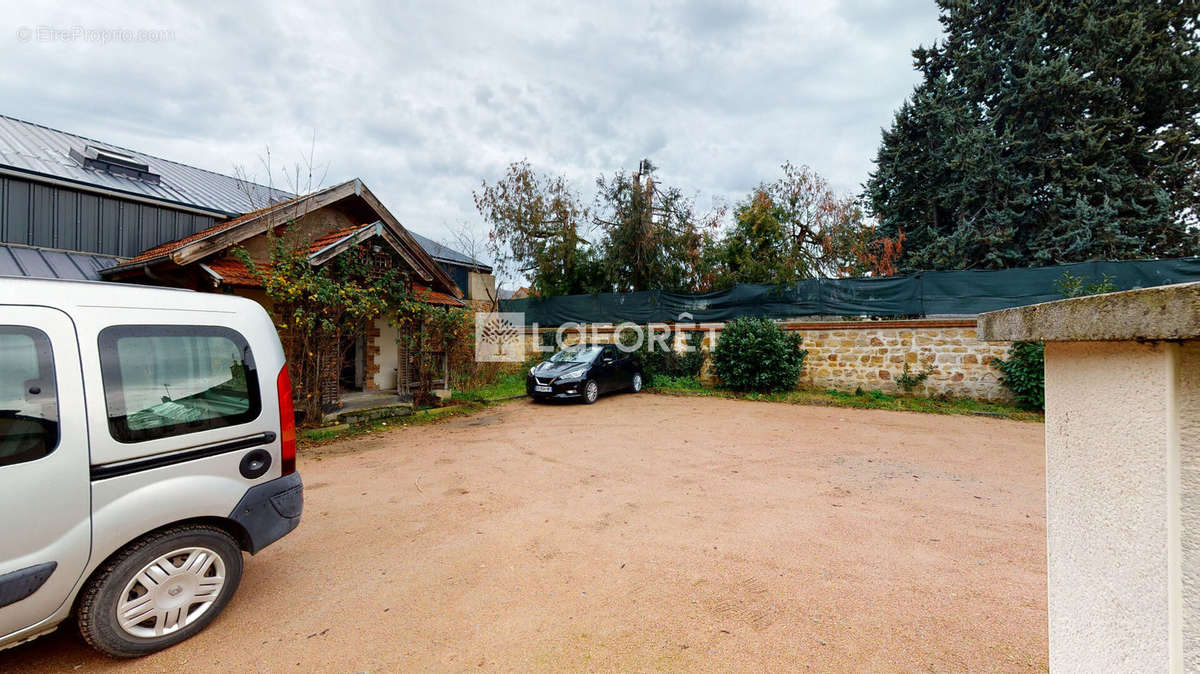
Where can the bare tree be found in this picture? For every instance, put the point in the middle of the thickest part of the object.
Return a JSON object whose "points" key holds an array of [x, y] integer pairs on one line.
{"points": [[467, 240], [302, 178]]}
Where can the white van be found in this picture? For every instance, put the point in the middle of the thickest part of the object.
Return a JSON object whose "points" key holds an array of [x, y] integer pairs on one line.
{"points": [[146, 440]]}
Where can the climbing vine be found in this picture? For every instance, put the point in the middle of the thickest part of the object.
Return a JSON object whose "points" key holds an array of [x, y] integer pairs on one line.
{"points": [[430, 333], [320, 311]]}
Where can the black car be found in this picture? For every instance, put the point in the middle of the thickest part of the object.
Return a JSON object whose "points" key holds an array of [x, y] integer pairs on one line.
{"points": [[584, 371]]}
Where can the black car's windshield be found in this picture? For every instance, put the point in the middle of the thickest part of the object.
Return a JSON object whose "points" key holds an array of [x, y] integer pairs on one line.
{"points": [[576, 354]]}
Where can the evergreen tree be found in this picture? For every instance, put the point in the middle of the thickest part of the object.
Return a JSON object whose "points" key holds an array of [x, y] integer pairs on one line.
{"points": [[1047, 132], [758, 247], [653, 239]]}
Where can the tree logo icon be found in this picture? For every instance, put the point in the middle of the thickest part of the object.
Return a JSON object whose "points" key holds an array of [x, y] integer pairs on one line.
{"points": [[498, 337]]}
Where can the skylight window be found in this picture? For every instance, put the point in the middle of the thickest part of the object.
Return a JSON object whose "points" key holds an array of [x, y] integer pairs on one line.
{"points": [[115, 162]]}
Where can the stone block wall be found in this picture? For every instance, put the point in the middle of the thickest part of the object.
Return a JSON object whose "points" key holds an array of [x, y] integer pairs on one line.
{"points": [[846, 355], [871, 354]]}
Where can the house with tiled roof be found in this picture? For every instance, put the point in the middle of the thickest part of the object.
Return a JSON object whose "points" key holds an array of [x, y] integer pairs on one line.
{"points": [[76, 208]]}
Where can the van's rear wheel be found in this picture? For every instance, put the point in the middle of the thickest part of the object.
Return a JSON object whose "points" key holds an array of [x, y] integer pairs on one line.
{"points": [[160, 590]]}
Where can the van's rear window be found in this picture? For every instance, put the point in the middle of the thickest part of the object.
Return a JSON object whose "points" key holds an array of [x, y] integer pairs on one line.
{"points": [[167, 380]]}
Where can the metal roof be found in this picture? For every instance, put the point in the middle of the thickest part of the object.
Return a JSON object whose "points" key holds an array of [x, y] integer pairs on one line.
{"points": [[444, 254], [52, 264], [36, 150]]}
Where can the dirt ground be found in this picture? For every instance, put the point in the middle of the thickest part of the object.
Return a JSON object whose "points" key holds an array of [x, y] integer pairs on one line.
{"points": [[644, 533]]}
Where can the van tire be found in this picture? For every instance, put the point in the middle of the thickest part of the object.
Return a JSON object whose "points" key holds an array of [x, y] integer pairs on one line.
{"points": [[97, 608]]}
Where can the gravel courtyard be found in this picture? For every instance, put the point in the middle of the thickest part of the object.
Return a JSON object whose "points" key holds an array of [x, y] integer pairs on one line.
{"points": [[644, 533]]}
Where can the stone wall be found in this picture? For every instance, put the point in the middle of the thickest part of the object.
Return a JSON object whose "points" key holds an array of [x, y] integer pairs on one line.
{"points": [[871, 354], [846, 355]]}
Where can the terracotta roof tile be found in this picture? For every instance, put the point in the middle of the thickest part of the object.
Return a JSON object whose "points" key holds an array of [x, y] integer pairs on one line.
{"points": [[430, 296], [331, 238], [233, 272]]}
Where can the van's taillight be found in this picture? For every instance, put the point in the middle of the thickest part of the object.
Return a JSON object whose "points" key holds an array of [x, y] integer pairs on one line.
{"points": [[287, 422]]}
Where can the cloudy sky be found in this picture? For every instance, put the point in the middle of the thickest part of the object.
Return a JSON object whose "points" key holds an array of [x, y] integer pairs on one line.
{"points": [[423, 100]]}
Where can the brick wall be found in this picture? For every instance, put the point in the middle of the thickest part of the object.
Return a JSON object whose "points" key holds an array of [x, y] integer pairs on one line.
{"points": [[846, 355]]}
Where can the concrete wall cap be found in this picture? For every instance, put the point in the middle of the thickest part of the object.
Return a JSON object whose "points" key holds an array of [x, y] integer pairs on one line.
{"points": [[1161, 313]]}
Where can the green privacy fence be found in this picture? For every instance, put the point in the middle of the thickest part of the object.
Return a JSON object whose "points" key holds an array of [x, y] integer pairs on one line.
{"points": [[921, 294]]}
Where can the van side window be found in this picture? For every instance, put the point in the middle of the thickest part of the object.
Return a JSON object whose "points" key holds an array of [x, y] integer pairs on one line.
{"points": [[167, 380], [28, 398]]}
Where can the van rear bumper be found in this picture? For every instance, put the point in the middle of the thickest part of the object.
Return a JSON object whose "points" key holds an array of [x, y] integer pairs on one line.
{"points": [[269, 511]]}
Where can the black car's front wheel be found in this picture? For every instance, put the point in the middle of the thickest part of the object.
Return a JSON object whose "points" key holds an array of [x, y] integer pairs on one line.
{"points": [[591, 391], [636, 384]]}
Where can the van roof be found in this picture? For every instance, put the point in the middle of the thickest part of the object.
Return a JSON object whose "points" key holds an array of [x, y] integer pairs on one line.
{"points": [[72, 293]]}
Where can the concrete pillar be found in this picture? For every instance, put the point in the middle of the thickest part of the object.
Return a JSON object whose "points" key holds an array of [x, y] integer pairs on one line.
{"points": [[1122, 475]]}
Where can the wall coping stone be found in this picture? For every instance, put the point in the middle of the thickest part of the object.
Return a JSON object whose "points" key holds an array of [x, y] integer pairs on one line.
{"points": [[1169, 312]]}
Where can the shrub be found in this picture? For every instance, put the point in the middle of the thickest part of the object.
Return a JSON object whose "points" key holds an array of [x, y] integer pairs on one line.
{"points": [[1070, 285], [1024, 374], [909, 380], [753, 354]]}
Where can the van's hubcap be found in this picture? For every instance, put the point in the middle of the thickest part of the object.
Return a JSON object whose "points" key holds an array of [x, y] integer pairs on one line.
{"points": [[171, 592]]}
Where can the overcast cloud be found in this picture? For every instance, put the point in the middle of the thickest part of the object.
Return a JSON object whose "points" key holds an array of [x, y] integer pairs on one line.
{"points": [[423, 100]]}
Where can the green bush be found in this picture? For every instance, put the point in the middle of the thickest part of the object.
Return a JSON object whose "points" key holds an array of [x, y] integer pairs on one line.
{"points": [[1024, 374], [753, 354]]}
